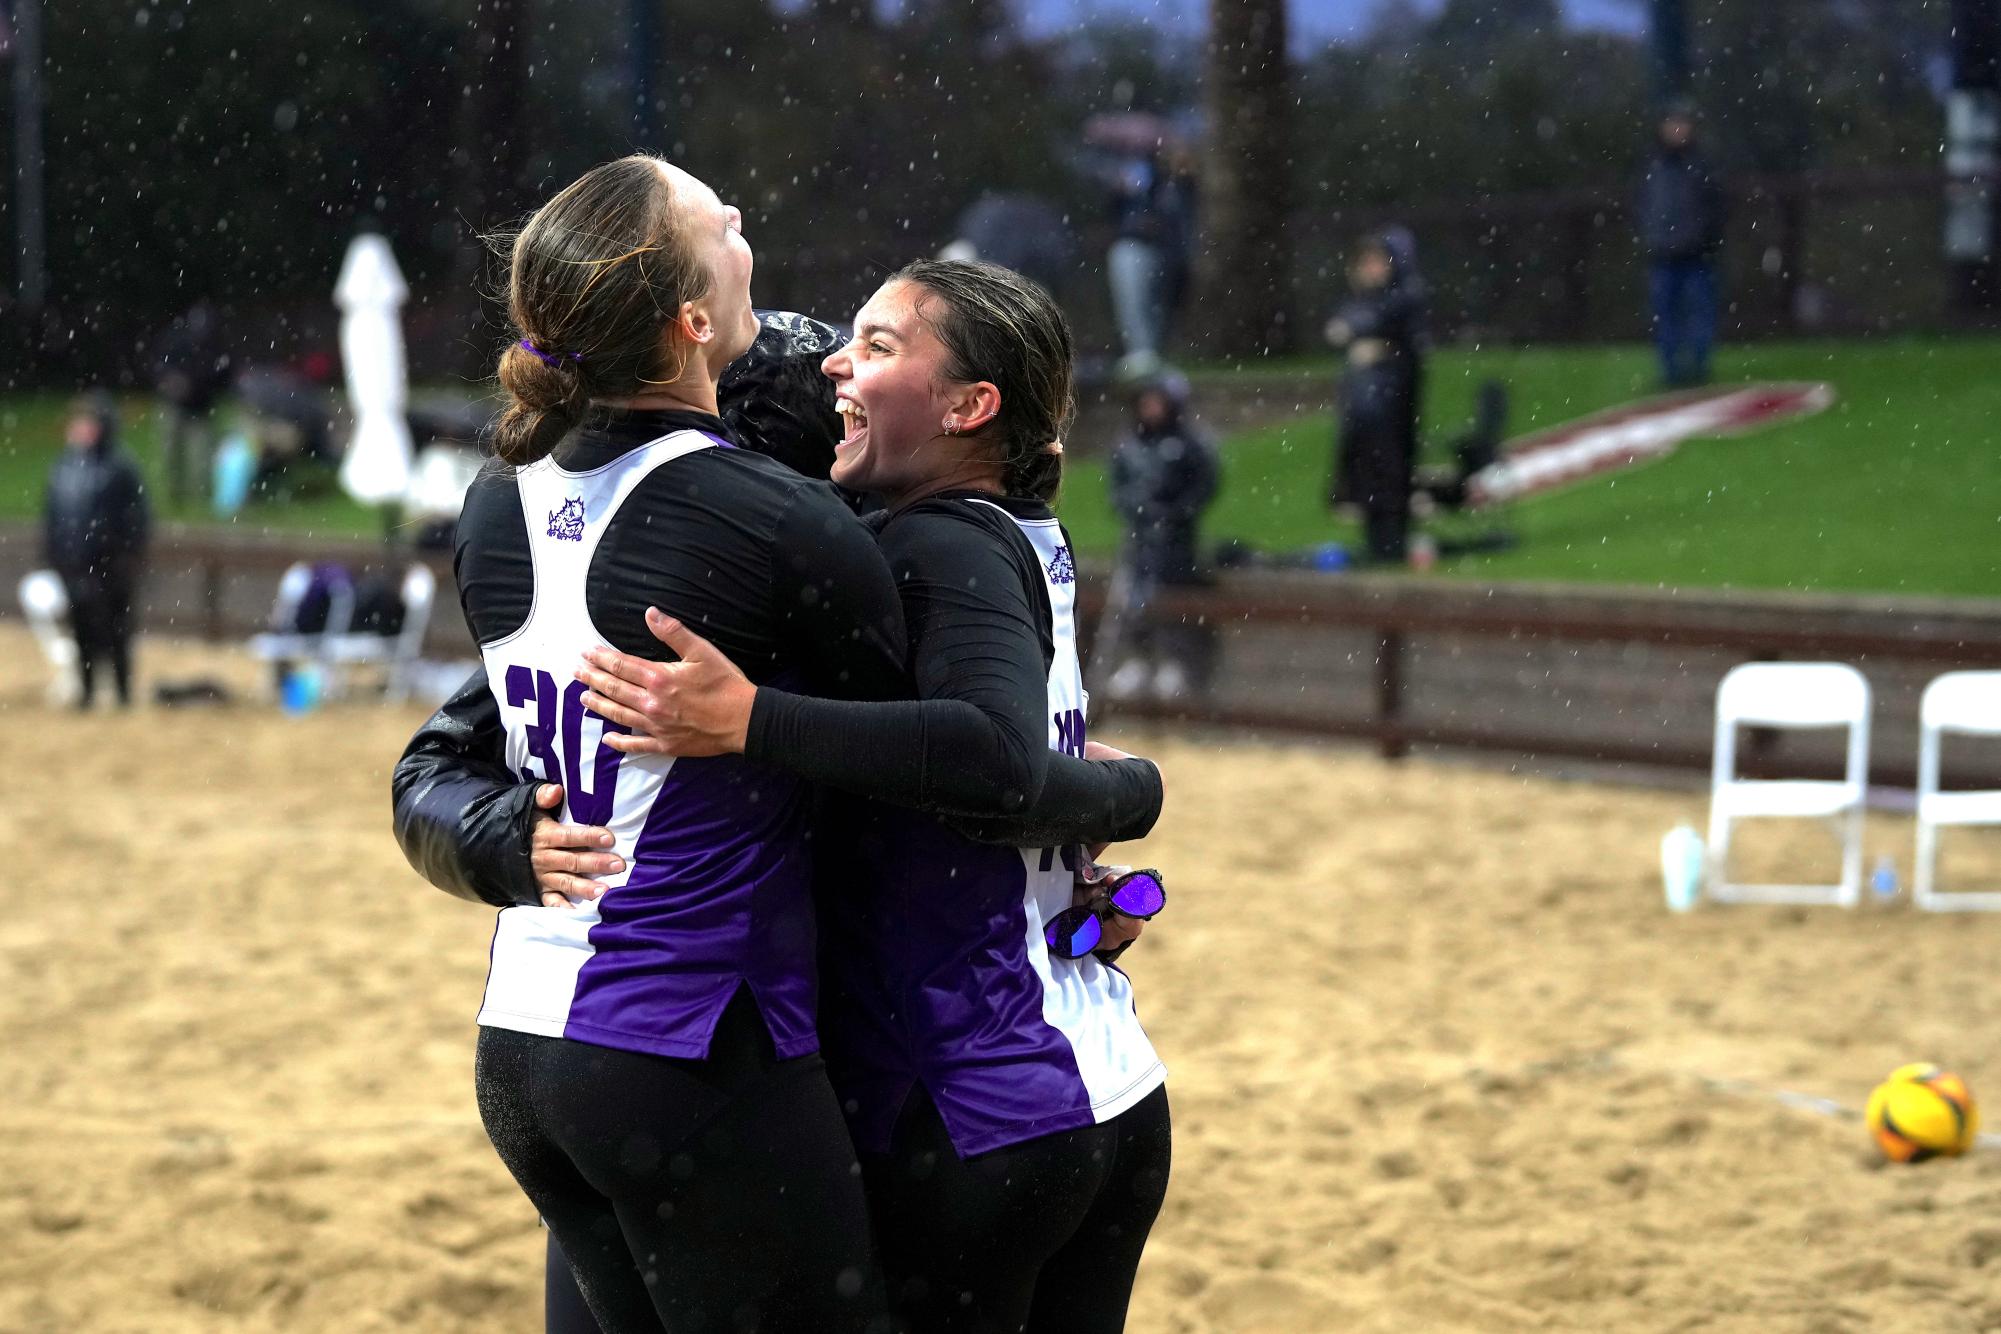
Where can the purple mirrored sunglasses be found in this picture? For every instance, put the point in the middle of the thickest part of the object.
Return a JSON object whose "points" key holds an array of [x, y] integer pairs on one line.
{"points": [[1075, 932]]}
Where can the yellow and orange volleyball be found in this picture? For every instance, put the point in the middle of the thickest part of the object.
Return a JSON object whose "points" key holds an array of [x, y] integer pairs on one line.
{"points": [[1922, 1111]]}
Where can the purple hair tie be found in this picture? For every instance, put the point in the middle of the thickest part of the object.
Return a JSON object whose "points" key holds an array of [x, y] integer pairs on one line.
{"points": [[548, 358]]}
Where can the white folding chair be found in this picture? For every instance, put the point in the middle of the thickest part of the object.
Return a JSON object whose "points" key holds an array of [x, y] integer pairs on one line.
{"points": [[44, 604], [1969, 703], [1789, 695], [284, 642], [399, 653]]}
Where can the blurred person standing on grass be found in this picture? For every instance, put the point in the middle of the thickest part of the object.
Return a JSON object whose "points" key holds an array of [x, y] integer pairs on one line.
{"points": [[95, 528], [1380, 334], [191, 372], [1152, 207], [1164, 475], [1681, 215]]}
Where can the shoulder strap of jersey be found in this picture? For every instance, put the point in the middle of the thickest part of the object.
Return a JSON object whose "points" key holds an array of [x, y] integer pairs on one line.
{"points": [[567, 513]]}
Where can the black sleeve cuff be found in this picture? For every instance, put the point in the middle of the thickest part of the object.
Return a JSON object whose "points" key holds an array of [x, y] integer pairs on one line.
{"points": [[1082, 801]]}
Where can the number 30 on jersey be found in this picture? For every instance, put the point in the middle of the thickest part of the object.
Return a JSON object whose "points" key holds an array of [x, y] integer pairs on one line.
{"points": [[553, 735]]}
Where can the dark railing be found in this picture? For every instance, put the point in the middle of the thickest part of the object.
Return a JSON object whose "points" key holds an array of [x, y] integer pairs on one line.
{"points": [[1442, 664], [220, 586], [1611, 676]]}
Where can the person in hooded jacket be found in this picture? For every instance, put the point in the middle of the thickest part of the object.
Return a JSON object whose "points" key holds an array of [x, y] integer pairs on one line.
{"points": [[95, 528], [1164, 475], [1380, 333]]}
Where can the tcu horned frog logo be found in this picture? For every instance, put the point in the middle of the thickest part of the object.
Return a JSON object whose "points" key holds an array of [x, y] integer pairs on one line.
{"points": [[1062, 570], [566, 522]]}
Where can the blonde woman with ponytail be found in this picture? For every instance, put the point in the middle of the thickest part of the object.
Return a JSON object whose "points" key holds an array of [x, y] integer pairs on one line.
{"points": [[648, 1064]]}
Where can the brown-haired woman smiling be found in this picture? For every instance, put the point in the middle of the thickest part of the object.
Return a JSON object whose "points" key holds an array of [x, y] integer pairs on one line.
{"points": [[1010, 1111]]}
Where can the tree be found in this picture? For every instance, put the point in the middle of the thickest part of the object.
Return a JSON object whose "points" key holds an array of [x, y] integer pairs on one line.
{"points": [[489, 158], [1482, 22], [1245, 267]]}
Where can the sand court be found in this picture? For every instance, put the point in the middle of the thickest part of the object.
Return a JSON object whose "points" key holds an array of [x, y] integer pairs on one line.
{"points": [[1441, 1060]]}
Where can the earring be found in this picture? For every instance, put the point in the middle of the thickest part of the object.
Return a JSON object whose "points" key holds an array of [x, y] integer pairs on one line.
{"points": [[951, 426]]}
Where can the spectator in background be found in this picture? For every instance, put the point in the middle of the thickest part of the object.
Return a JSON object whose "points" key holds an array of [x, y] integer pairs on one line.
{"points": [[1380, 332], [95, 532], [191, 371], [1681, 216], [1023, 232], [1152, 207], [1164, 475]]}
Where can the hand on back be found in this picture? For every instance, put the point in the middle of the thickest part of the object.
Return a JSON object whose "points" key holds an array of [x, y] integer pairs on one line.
{"points": [[565, 857], [698, 706]]}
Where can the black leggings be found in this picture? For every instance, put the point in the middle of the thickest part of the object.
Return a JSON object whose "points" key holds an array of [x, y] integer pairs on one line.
{"points": [[1043, 1236], [100, 613], [696, 1196]]}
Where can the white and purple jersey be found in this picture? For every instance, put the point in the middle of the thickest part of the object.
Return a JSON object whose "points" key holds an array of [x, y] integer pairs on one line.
{"points": [[937, 971], [716, 894]]}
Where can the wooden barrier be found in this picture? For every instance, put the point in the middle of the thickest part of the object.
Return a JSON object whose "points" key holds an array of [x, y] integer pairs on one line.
{"points": [[1615, 676], [219, 585], [1650, 660]]}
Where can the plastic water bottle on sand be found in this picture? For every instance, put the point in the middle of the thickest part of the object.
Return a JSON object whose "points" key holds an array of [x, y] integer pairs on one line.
{"points": [[1681, 867], [300, 692]]}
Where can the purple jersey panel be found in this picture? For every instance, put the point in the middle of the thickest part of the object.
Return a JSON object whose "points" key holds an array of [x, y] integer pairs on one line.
{"points": [[928, 982], [719, 896]]}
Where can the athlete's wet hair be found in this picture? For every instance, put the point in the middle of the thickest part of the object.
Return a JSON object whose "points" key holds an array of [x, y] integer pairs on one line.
{"points": [[998, 326], [775, 399], [595, 278]]}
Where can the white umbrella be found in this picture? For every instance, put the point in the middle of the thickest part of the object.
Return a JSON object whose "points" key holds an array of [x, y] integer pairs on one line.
{"points": [[370, 294]]}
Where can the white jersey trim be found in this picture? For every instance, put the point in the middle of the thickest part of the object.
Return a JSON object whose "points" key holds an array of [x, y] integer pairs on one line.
{"points": [[538, 953], [1090, 1004]]}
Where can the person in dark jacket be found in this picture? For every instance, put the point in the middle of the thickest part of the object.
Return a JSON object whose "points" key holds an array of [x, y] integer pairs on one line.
{"points": [[191, 372], [1018, 231], [95, 538], [1164, 475], [1152, 206], [1380, 333], [1681, 216]]}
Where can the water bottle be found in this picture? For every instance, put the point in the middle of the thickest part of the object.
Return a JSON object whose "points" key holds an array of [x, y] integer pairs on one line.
{"points": [[1883, 880], [301, 690], [1681, 867]]}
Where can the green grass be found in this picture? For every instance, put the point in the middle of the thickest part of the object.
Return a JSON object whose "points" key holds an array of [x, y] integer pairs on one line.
{"points": [[31, 433], [1896, 489]]}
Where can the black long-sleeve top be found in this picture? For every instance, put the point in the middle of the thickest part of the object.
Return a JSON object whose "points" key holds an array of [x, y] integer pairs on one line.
{"points": [[973, 748], [768, 564], [1681, 207], [974, 743], [95, 520]]}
